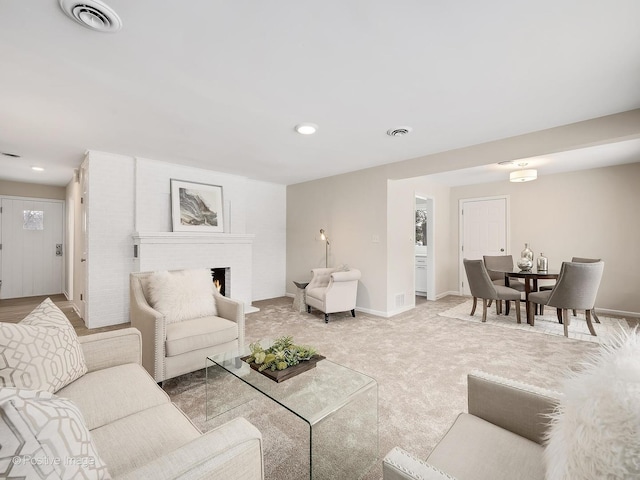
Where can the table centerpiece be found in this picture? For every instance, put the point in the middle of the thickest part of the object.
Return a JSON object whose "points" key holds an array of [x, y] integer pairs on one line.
{"points": [[283, 359]]}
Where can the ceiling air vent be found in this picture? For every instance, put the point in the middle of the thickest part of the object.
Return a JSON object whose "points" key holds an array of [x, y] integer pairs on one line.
{"points": [[398, 131], [92, 14]]}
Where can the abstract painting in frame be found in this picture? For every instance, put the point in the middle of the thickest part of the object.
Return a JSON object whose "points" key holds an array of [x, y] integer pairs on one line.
{"points": [[196, 207]]}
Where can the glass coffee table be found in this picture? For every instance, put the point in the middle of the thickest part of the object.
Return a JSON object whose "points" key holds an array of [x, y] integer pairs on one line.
{"points": [[339, 405]]}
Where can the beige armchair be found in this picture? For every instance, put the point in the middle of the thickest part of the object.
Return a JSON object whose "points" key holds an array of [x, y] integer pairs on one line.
{"points": [[332, 290], [501, 438], [171, 348]]}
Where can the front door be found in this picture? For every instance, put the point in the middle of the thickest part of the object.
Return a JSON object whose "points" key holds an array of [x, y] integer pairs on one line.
{"points": [[31, 256], [483, 231]]}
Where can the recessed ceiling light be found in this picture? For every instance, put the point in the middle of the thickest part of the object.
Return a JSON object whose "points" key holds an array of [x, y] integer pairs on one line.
{"points": [[37, 169], [506, 162], [92, 14], [399, 131], [306, 128]]}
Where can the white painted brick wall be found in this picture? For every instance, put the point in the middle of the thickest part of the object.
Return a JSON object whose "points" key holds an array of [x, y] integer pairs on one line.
{"points": [[110, 246], [153, 194], [130, 195]]}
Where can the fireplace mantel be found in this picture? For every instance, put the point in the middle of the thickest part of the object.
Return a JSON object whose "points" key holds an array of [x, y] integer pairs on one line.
{"points": [[141, 238], [179, 250]]}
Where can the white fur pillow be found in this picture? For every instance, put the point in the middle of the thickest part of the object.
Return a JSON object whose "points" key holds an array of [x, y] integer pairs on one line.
{"points": [[595, 432], [183, 294]]}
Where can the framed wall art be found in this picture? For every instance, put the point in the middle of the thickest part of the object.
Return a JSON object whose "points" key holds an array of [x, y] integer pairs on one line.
{"points": [[196, 207]]}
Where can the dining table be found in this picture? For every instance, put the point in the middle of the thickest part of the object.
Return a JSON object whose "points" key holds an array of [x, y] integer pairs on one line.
{"points": [[530, 278]]}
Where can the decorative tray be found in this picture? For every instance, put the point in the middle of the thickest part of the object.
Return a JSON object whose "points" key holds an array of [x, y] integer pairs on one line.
{"points": [[289, 372]]}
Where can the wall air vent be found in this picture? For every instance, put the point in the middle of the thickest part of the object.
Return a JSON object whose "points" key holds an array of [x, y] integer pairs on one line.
{"points": [[92, 14], [399, 131]]}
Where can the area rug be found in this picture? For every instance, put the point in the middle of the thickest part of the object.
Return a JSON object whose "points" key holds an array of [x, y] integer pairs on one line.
{"points": [[546, 324]]}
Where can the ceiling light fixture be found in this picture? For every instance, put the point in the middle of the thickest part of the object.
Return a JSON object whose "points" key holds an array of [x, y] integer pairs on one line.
{"points": [[37, 169], [399, 131], [92, 14], [523, 175], [306, 128]]}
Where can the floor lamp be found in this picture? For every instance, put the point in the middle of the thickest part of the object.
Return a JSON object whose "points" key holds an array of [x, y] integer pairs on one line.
{"points": [[324, 237]]}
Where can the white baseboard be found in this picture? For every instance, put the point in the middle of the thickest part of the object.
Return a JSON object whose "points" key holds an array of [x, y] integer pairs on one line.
{"points": [[379, 313], [406, 308], [603, 311], [618, 313], [446, 294], [251, 309]]}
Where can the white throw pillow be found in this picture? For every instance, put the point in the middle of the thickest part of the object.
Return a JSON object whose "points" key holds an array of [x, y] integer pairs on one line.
{"points": [[183, 294], [44, 436], [42, 352], [595, 432]]}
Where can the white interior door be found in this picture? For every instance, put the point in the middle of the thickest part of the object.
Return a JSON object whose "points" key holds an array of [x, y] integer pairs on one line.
{"points": [[32, 241], [483, 231]]}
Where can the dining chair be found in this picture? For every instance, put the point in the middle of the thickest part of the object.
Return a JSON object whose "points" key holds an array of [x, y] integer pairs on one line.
{"points": [[576, 288], [550, 287], [501, 263], [482, 287]]}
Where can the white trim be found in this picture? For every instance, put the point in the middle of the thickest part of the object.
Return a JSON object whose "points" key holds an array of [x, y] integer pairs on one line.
{"points": [[620, 313], [33, 199], [431, 246], [188, 237], [450, 292]]}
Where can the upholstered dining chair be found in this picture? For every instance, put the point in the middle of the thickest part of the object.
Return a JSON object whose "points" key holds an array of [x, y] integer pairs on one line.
{"points": [[482, 287], [576, 288], [501, 263], [550, 287]]}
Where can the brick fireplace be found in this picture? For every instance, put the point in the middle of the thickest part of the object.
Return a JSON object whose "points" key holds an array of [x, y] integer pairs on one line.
{"points": [[227, 253]]}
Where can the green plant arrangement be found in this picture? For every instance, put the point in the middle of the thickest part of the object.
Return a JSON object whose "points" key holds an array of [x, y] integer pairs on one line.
{"points": [[282, 354]]}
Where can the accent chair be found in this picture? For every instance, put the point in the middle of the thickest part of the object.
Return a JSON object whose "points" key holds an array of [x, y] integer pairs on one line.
{"points": [[333, 290], [576, 288], [176, 338], [550, 287], [501, 263], [482, 287]]}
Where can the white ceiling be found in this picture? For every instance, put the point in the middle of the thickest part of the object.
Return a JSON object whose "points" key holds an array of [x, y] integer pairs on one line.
{"points": [[221, 84]]}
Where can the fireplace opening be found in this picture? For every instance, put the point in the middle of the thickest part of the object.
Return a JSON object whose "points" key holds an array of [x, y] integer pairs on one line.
{"points": [[221, 280]]}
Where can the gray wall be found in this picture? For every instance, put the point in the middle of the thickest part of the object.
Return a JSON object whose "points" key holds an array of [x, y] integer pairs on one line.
{"points": [[357, 206], [588, 213], [33, 190]]}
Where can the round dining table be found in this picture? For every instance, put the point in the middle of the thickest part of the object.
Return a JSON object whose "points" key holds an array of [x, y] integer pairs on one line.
{"points": [[530, 278]]}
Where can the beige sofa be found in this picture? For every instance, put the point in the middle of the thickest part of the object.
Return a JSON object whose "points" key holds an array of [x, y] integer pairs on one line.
{"points": [[170, 348], [139, 433], [499, 439]]}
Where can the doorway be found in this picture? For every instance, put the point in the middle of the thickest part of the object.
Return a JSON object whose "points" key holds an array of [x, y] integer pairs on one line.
{"points": [[32, 238], [483, 231], [424, 258]]}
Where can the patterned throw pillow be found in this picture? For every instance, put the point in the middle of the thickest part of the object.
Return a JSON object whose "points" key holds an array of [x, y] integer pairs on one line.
{"points": [[44, 436], [41, 352], [183, 294]]}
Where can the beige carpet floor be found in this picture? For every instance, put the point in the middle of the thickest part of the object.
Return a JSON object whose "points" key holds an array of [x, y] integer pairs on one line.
{"points": [[420, 360]]}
